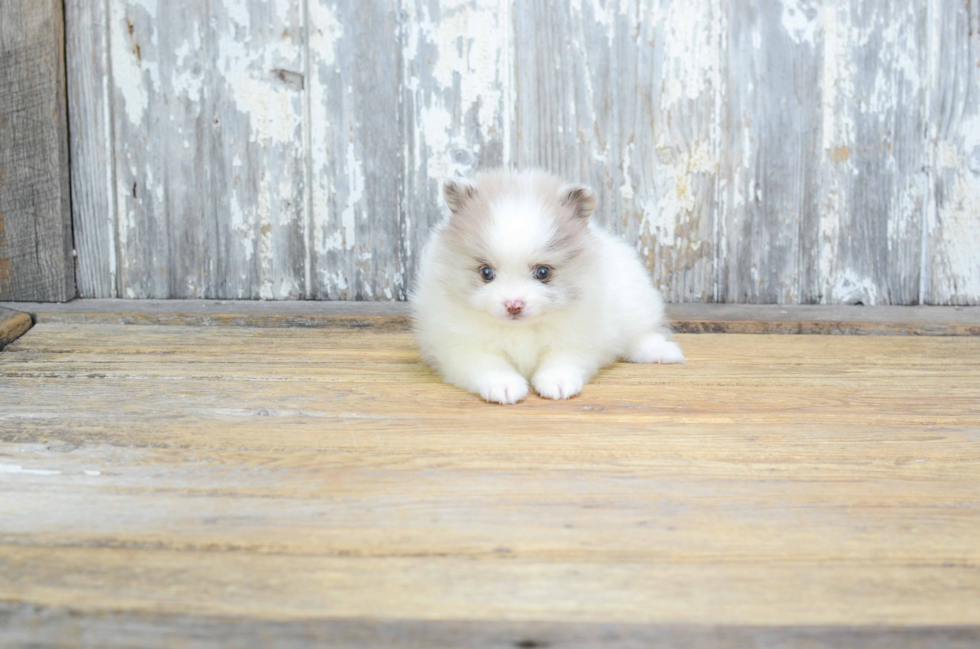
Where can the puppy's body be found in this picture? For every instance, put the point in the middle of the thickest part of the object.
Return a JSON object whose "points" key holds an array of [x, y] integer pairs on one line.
{"points": [[518, 285]]}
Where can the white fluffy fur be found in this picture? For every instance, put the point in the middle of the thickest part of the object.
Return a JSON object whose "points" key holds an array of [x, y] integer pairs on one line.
{"points": [[601, 305]]}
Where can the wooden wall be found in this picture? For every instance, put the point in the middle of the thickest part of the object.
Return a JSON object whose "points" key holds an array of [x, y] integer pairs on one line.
{"points": [[786, 151], [35, 211]]}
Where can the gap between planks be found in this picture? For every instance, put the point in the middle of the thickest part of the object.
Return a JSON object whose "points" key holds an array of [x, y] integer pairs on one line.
{"points": [[684, 318]]}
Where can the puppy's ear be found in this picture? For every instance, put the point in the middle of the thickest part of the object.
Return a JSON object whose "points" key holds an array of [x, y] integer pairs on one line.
{"points": [[458, 192], [581, 198]]}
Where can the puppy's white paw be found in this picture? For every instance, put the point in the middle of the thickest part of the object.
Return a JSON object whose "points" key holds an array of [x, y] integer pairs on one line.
{"points": [[503, 387], [558, 383], [655, 348]]}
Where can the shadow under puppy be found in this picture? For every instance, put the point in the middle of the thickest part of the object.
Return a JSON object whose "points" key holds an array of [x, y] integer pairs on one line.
{"points": [[519, 285]]}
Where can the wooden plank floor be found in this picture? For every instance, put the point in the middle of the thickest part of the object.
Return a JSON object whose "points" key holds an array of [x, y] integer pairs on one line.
{"points": [[173, 486], [684, 318]]}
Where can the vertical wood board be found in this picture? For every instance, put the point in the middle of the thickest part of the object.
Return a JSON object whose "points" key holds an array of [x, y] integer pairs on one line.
{"points": [[457, 107], [355, 150], [624, 96], [951, 260], [36, 262], [257, 155], [93, 164]]}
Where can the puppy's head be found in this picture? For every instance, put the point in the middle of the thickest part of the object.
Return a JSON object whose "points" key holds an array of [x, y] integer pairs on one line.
{"points": [[516, 243]]}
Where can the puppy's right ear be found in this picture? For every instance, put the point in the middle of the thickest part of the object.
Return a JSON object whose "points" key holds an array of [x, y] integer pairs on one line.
{"points": [[458, 192], [581, 198]]}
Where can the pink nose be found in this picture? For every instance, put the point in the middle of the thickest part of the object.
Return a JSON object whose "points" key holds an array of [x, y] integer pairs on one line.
{"points": [[514, 307]]}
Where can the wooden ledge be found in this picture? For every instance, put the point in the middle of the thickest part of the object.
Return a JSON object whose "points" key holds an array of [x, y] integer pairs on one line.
{"points": [[26, 624], [685, 318], [13, 325], [820, 319]]}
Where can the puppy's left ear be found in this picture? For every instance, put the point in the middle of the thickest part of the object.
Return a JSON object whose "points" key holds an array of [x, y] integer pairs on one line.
{"points": [[581, 198], [458, 192]]}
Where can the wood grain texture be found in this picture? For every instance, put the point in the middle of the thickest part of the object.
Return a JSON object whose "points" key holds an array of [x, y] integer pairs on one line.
{"points": [[457, 108], [683, 318], [158, 58], [293, 477], [208, 106], [13, 325], [770, 170], [93, 162], [26, 625], [36, 261], [258, 153], [783, 151], [825, 183], [867, 243], [625, 97], [356, 156], [951, 263]]}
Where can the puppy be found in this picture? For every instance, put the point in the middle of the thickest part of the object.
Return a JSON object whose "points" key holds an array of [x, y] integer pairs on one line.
{"points": [[518, 285]]}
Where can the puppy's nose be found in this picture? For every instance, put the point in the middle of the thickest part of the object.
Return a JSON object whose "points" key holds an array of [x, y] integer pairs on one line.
{"points": [[514, 307]]}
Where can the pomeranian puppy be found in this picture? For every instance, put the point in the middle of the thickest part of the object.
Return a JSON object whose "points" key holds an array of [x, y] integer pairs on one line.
{"points": [[518, 285]]}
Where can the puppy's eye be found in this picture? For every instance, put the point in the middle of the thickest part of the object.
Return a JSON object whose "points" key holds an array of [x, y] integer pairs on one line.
{"points": [[542, 273], [487, 274]]}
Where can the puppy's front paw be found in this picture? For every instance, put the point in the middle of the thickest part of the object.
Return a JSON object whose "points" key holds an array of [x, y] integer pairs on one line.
{"points": [[558, 383], [655, 348], [503, 388]]}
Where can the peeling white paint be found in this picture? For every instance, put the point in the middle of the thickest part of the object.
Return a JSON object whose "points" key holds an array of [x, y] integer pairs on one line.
{"points": [[958, 227], [652, 149], [241, 226], [250, 84], [626, 189], [187, 81], [16, 468], [334, 242], [355, 190], [337, 279], [837, 85], [900, 44], [828, 237], [693, 58], [849, 288], [801, 19], [471, 40], [948, 156], [128, 66], [676, 202], [263, 241], [326, 35]]}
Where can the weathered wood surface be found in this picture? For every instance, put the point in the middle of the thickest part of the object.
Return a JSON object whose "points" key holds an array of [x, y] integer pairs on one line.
{"points": [[117, 630], [684, 318], [13, 325], [755, 151], [952, 232], [828, 167], [626, 97], [36, 261], [809, 487], [357, 165], [89, 117]]}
